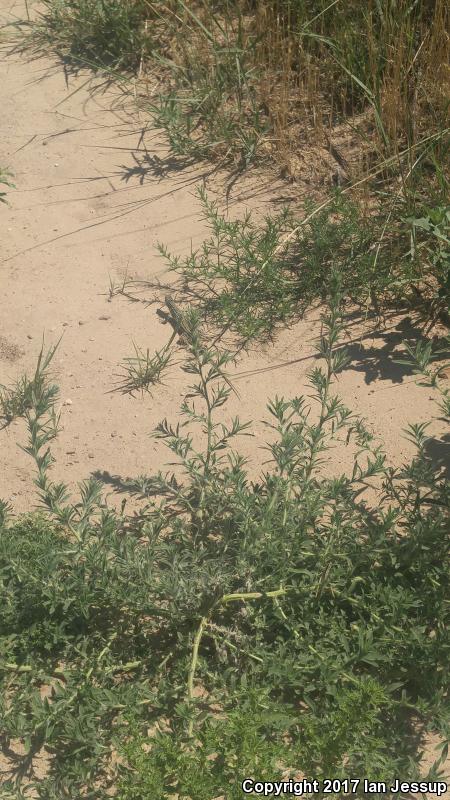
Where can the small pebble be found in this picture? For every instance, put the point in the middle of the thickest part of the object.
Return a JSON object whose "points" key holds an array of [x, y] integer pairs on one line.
{"points": [[67, 402], [105, 316], [29, 336]]}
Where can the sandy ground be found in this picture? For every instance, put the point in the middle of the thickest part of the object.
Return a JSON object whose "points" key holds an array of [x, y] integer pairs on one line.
{"points": [[84, 211], [87, 208]]}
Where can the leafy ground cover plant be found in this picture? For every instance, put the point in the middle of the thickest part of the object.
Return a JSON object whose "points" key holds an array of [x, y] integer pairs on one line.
{"points": [[229, 627]]}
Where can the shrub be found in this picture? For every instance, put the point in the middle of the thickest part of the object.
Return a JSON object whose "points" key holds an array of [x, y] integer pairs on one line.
{"points": [[248, 276], [291, 623]]}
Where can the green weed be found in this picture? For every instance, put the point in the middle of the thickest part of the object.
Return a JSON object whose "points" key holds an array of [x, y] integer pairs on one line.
{"points": [[293, 623], [248, 276], [143, 370], [19, 399]]}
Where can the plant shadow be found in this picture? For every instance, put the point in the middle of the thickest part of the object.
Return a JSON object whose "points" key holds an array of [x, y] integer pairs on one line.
{"points": [[151, 165], [438, 450], [380, 359], [118, 483]]}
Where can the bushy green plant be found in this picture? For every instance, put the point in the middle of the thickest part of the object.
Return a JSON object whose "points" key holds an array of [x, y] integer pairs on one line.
{"points": [[257, 737], [105, 33], [23, 396], [290, 623], [249, 276], [246, 740], [242, 274], [430, 234]]}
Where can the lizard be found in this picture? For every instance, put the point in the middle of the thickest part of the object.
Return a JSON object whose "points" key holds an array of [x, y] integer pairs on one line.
{"points": [[176, 319], [181, 328]]}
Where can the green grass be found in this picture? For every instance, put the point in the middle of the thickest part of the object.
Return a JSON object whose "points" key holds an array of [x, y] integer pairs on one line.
{"points": [[102, 33], [233, 627]]}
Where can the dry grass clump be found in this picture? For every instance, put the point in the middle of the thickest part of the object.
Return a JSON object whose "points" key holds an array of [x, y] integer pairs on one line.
{"points": [[297, 68], [247, 79]]}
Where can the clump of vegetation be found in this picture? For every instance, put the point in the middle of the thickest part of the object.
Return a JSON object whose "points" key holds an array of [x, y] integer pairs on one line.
{"points": [[256, 79], [234, 627], [5, 180], [230, 627], [250, 276], [17, 400], [362, 84], [101, 33]]}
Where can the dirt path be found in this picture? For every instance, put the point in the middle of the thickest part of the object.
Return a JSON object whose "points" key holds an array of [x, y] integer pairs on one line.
{"points": [[87, 208]]}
